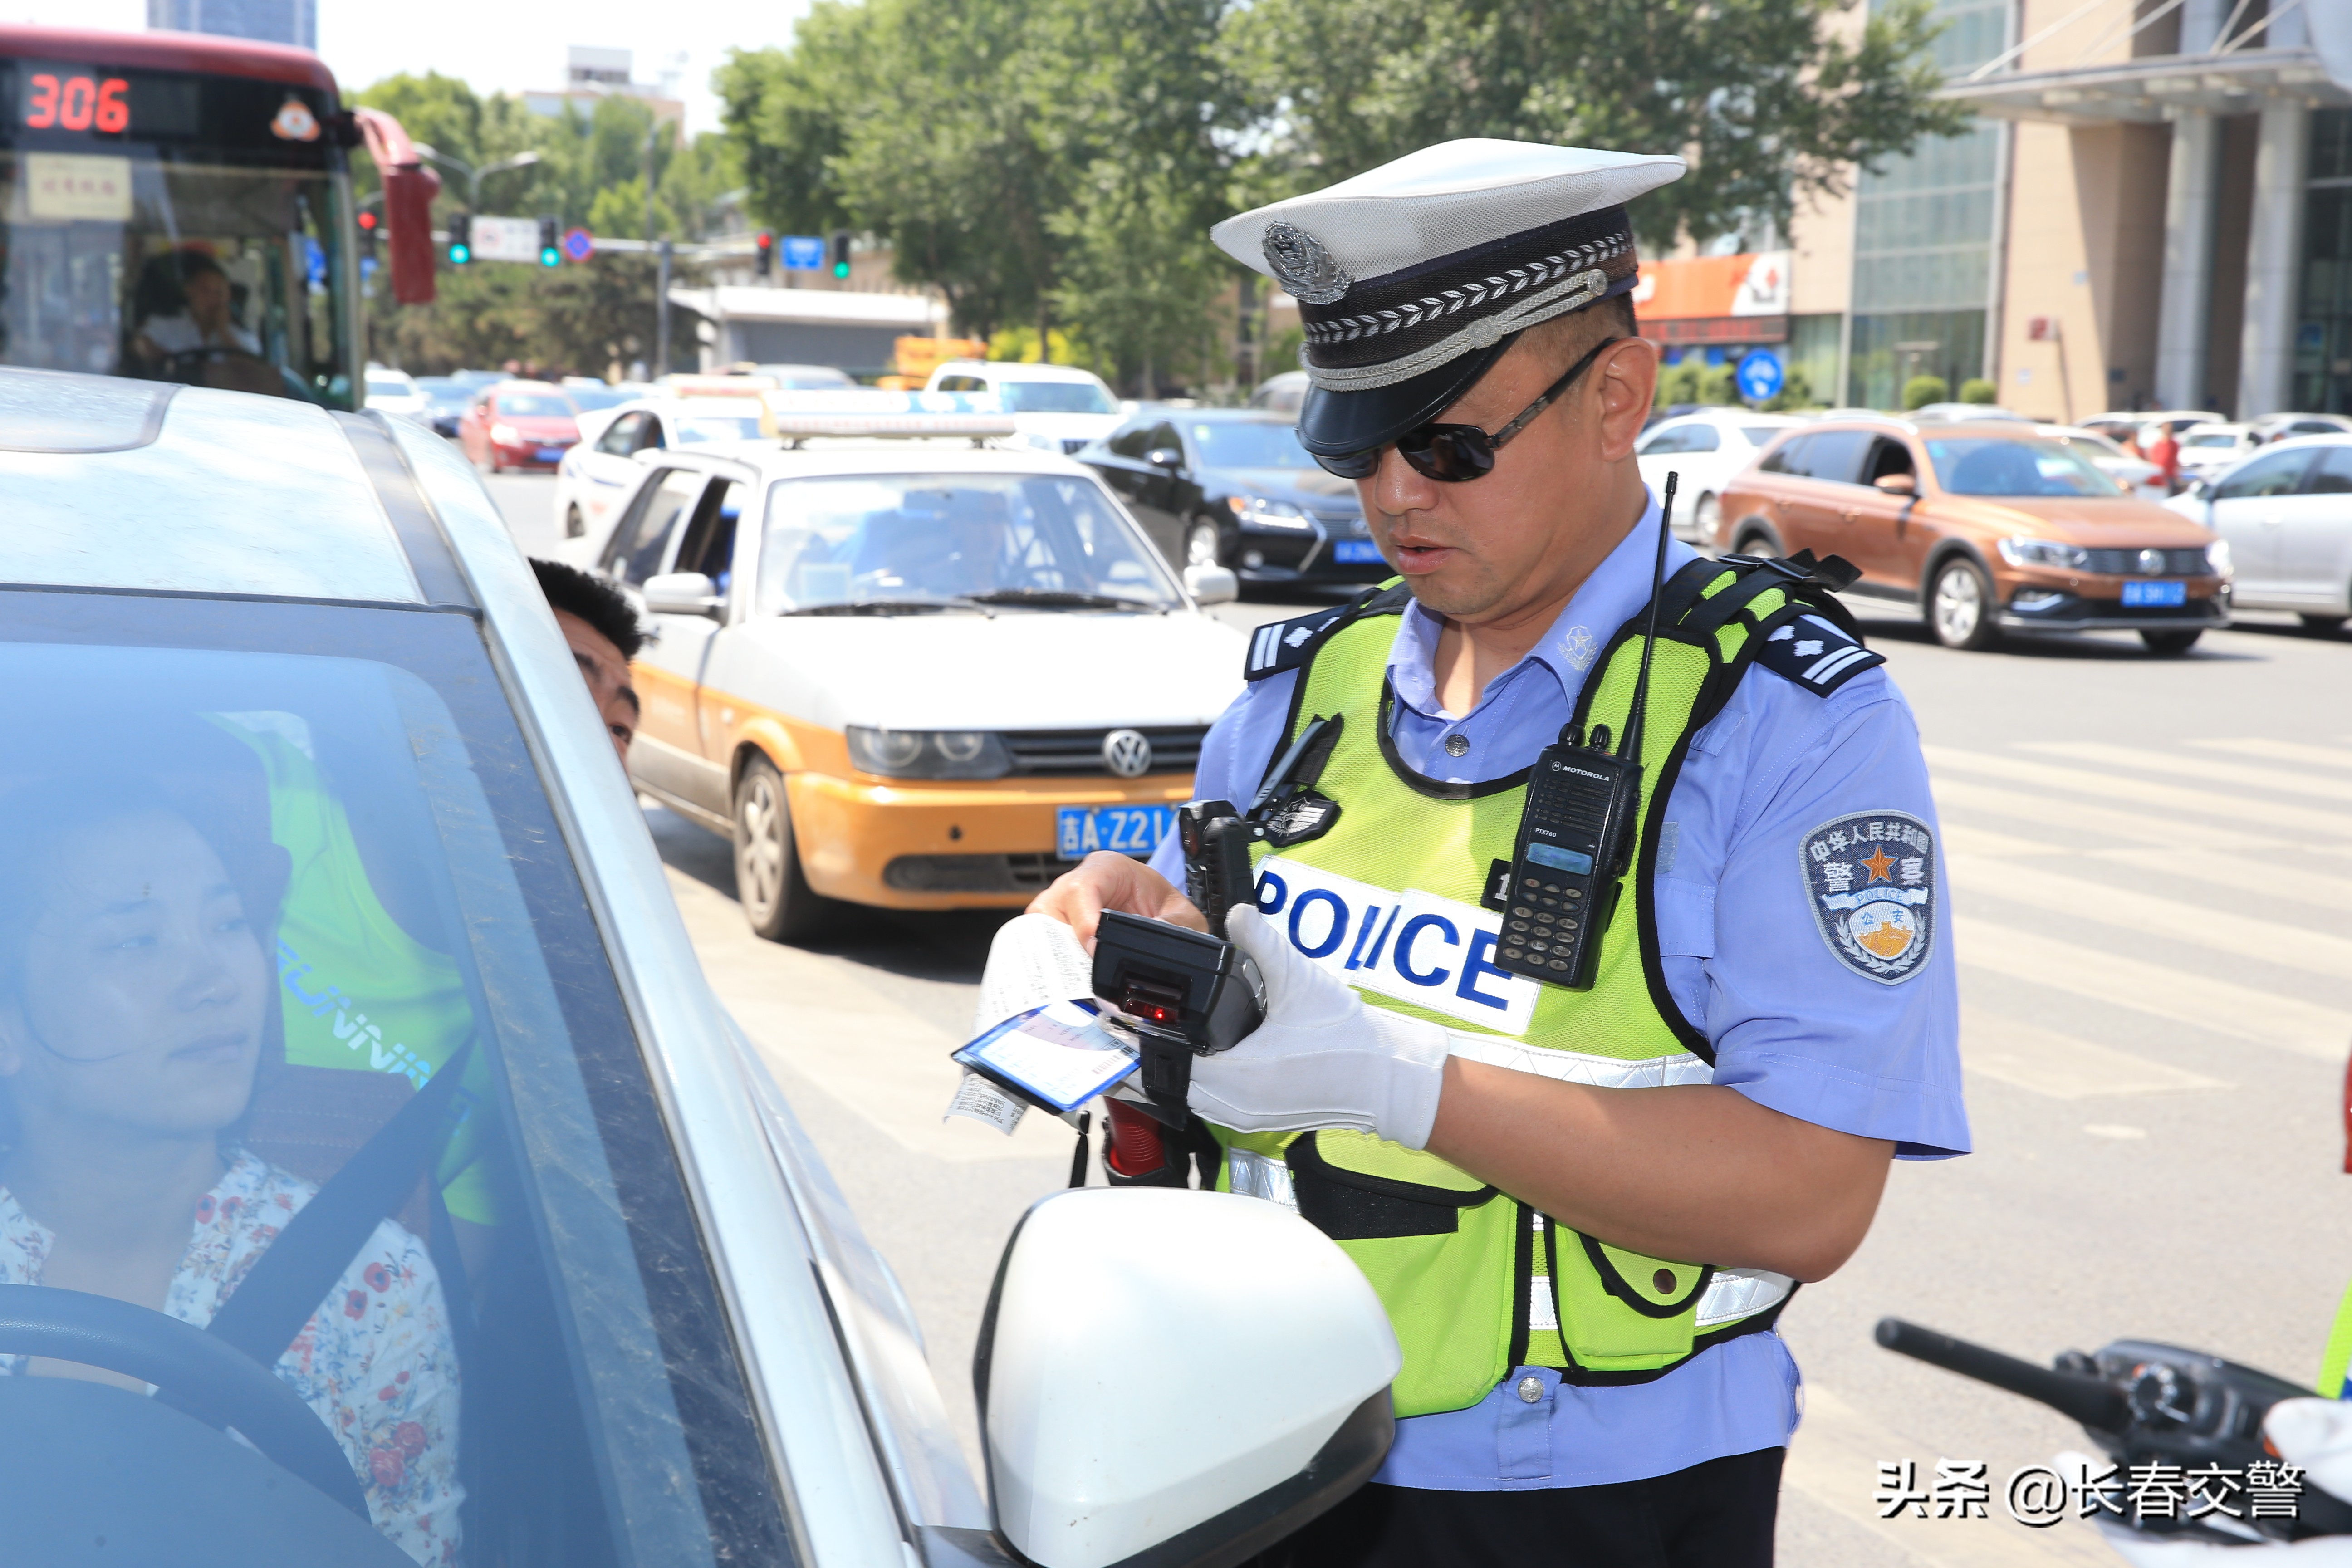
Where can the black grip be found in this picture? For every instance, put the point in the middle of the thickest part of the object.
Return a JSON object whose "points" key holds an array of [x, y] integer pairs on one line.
{"points": [[2095, 1404]]}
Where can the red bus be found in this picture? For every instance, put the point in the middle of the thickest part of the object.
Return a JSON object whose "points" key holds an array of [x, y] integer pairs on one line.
{"points": [[179, 208]]}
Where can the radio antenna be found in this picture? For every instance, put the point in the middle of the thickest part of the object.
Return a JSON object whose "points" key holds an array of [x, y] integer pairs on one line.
{"points": [[1629, 745]]}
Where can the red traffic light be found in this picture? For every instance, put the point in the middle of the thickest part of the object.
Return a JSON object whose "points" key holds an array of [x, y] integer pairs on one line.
{"points": [[765, 240], [368, 220]]}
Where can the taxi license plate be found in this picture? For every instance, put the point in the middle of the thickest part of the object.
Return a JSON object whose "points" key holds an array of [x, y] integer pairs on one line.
{"points": [[2155, 594], [1080, 830], [1355, 552], [551, 454]]}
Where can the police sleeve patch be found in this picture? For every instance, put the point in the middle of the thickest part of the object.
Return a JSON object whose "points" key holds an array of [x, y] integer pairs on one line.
{"points": [[1815, 653], [1871, 879]]}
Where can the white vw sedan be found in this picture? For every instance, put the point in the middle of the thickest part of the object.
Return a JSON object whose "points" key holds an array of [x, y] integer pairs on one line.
{"points": [[449, 1218], [911, 671]]}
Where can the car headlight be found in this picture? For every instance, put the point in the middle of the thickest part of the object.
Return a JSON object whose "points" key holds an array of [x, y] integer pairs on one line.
{"points": [[2042, 553], [2217, 559], [929, 753], [505, 436], [1258, 513]]}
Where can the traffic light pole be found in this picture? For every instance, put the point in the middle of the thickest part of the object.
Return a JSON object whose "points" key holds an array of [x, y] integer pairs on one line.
{"points": [[661, 312]]}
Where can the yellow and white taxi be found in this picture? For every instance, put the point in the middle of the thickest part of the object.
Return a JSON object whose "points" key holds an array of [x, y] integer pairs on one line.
{"points": [[910, 666]]}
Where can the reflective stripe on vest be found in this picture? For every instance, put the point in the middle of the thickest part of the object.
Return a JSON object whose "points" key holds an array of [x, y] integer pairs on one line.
{"points": [[1475, 1282]]}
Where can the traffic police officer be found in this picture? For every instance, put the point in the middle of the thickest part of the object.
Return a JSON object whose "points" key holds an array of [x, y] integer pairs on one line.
{"points": [[1583, 1208]]}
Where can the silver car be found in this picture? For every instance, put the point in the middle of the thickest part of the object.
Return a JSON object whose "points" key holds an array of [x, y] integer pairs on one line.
{"points": [[360, 1095], [2285, 514]]}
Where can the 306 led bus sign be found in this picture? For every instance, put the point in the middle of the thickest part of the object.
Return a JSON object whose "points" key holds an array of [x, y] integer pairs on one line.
{"points": [[73, 102]]}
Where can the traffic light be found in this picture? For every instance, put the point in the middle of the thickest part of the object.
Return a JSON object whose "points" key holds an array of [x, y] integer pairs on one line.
{"points": [[461, 238], [763, 257], [369, 226], [551, 254], [841, 253]]}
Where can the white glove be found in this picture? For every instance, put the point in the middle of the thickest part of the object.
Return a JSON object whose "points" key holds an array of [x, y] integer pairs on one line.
{"points": [[1321, 1058], [2315, 1434]]}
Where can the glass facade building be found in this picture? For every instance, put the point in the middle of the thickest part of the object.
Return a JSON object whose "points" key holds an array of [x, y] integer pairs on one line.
{"points": [[2323, 344], [292, 22]]}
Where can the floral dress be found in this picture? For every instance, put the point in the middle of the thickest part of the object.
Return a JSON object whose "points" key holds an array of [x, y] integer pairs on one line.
{"points": [[375, 1361]]}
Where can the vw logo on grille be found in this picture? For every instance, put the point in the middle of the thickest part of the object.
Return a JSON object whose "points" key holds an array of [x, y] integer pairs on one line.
{"points": [[2151, 562], [1127, 753]]}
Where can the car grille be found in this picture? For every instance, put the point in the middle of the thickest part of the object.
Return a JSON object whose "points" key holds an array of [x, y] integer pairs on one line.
{"points": [[1021, 873], [1174, 750], [2189, 561]]}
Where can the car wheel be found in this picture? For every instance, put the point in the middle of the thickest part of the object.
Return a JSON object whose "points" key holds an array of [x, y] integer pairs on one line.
{"points": [[2171, 645], [1961, 607], [2322, 623], [1201, 543], [573, 525], [1706, 518], [1757, 542], [776, 898]]}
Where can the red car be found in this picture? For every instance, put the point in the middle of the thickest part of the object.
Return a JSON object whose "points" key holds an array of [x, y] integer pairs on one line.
{"points": [[519, 425]]}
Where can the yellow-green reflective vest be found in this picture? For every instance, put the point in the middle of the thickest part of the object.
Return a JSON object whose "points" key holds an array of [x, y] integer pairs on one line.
{"points": [[2336, 1362], [360, 993], [1474, 1281]]}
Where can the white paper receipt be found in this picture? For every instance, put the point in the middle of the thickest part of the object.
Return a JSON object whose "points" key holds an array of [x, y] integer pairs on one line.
{"points": [[981, 1101], [1059, 1053]]}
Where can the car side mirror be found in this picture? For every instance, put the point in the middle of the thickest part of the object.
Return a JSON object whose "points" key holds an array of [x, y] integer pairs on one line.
{"points": [[1211, 585], [1895, 484], [683, 594], [1175, 1378], [1167, 458]]}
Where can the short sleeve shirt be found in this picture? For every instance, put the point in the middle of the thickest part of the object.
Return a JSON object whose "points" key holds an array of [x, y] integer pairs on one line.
{"points": [[1788, 802]]}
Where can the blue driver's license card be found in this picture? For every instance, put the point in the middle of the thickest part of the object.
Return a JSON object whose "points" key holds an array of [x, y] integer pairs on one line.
{"points": [[1058, 1054]]}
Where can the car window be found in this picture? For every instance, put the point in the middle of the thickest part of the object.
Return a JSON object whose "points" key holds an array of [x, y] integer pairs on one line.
{"points": [[586, 398], [1659, 443], [1788, 456], [635, 550], [1163, 437], [1887, 455], [1760, 435], [708, 546], [2333, 473], [2010, 466], [1248, 443], [535, 406], [1838, 456], [521, 1357], [620, 437], [961, 384], [1131, 442], [2275, 474], [1702, 438], [1054, 397], [380, 388], [938, 538], [2211, 438], [693, 429]]}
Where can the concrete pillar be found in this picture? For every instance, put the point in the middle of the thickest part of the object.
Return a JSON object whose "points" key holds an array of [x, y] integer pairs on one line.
{"points": [[2188, 221], [2274, 261]]}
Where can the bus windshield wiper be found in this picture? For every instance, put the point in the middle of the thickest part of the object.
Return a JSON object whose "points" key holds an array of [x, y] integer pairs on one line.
{"points": [[1056, 598]]}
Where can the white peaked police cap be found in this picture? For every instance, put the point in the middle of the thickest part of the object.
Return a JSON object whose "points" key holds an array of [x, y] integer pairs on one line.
{"points": [[1414, 277]]}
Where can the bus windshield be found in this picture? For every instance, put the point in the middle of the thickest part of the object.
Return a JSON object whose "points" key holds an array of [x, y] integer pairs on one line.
{"points": [[175, 226]]}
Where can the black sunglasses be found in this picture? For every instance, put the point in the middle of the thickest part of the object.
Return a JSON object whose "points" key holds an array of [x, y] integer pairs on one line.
{"points": [[1454, 454]]}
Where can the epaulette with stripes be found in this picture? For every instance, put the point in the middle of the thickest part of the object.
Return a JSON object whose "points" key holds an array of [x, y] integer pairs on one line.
{"points": [[1288, 645], [1814, 651]]}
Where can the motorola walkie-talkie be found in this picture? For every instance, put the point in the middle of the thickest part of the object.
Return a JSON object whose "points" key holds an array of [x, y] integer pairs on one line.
{"points": [[1575, 833]]}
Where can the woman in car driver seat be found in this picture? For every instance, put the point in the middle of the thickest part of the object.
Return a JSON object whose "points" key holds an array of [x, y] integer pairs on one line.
{"points": [[134, 1013]]}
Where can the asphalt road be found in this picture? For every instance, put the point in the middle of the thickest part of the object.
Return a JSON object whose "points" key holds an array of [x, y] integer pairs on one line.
{"points": [[2151, 866]]}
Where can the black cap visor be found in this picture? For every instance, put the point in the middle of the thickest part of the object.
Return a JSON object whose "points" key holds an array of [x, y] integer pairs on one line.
{"points": [[1335, 423]]}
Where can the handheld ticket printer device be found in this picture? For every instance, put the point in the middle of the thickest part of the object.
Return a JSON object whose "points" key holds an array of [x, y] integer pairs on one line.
{"points": [[1561, 885], [1186, 992]]}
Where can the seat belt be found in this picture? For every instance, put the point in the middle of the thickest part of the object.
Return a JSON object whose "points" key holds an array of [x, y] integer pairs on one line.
{"points": [[279, 1293]]}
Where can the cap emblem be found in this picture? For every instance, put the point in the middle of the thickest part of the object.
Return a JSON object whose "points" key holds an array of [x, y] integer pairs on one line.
{"points": [[1300, 264]]}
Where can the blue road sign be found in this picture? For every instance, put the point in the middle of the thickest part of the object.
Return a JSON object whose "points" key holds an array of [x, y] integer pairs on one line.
{"points": [[803, 252], [1759, 375], [579, 244]]}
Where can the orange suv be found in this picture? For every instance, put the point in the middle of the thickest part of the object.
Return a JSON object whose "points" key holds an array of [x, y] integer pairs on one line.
{"points": [[1986, 526]]}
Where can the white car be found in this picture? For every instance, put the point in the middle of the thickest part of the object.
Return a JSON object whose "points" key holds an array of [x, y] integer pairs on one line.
{"points": [[395, 392], [1706, 448], [2137, 475], [914, 673], [602, 469], [287, 685], [1054, 407], [2209, 447], [2285, 514]]}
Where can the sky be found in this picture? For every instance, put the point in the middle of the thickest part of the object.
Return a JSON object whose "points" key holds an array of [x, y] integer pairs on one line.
{"points": [[501, 45]]}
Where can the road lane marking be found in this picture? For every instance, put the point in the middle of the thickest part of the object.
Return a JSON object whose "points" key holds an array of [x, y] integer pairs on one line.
{"points": [[1833, 1459], [1965, 838], [2062, 1067], [2170, 995], [2149, 759], [2195, 925], [2115, 786], [2290, 883], [2040, 809], [2283, 752]]}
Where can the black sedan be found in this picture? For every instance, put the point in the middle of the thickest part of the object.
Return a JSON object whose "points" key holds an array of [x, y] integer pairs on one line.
{"points": [[1231, 487]]}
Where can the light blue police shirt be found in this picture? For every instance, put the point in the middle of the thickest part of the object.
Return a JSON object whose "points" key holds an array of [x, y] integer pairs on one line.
{"points": [[1794, 1025]]}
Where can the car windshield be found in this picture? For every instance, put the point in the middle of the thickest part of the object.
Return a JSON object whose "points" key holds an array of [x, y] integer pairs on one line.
{"points": [[283, 922], [945, 539], [2007, 467], [587, 398], [2211, 438], [695, 429], [378, 387], [1249, 444], [1054, 397], [444, 391], [535, 406]]}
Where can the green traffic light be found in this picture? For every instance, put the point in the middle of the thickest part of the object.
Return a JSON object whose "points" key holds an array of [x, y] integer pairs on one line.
{"points": [[460, 255], [841, 269], [549, 257]]}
